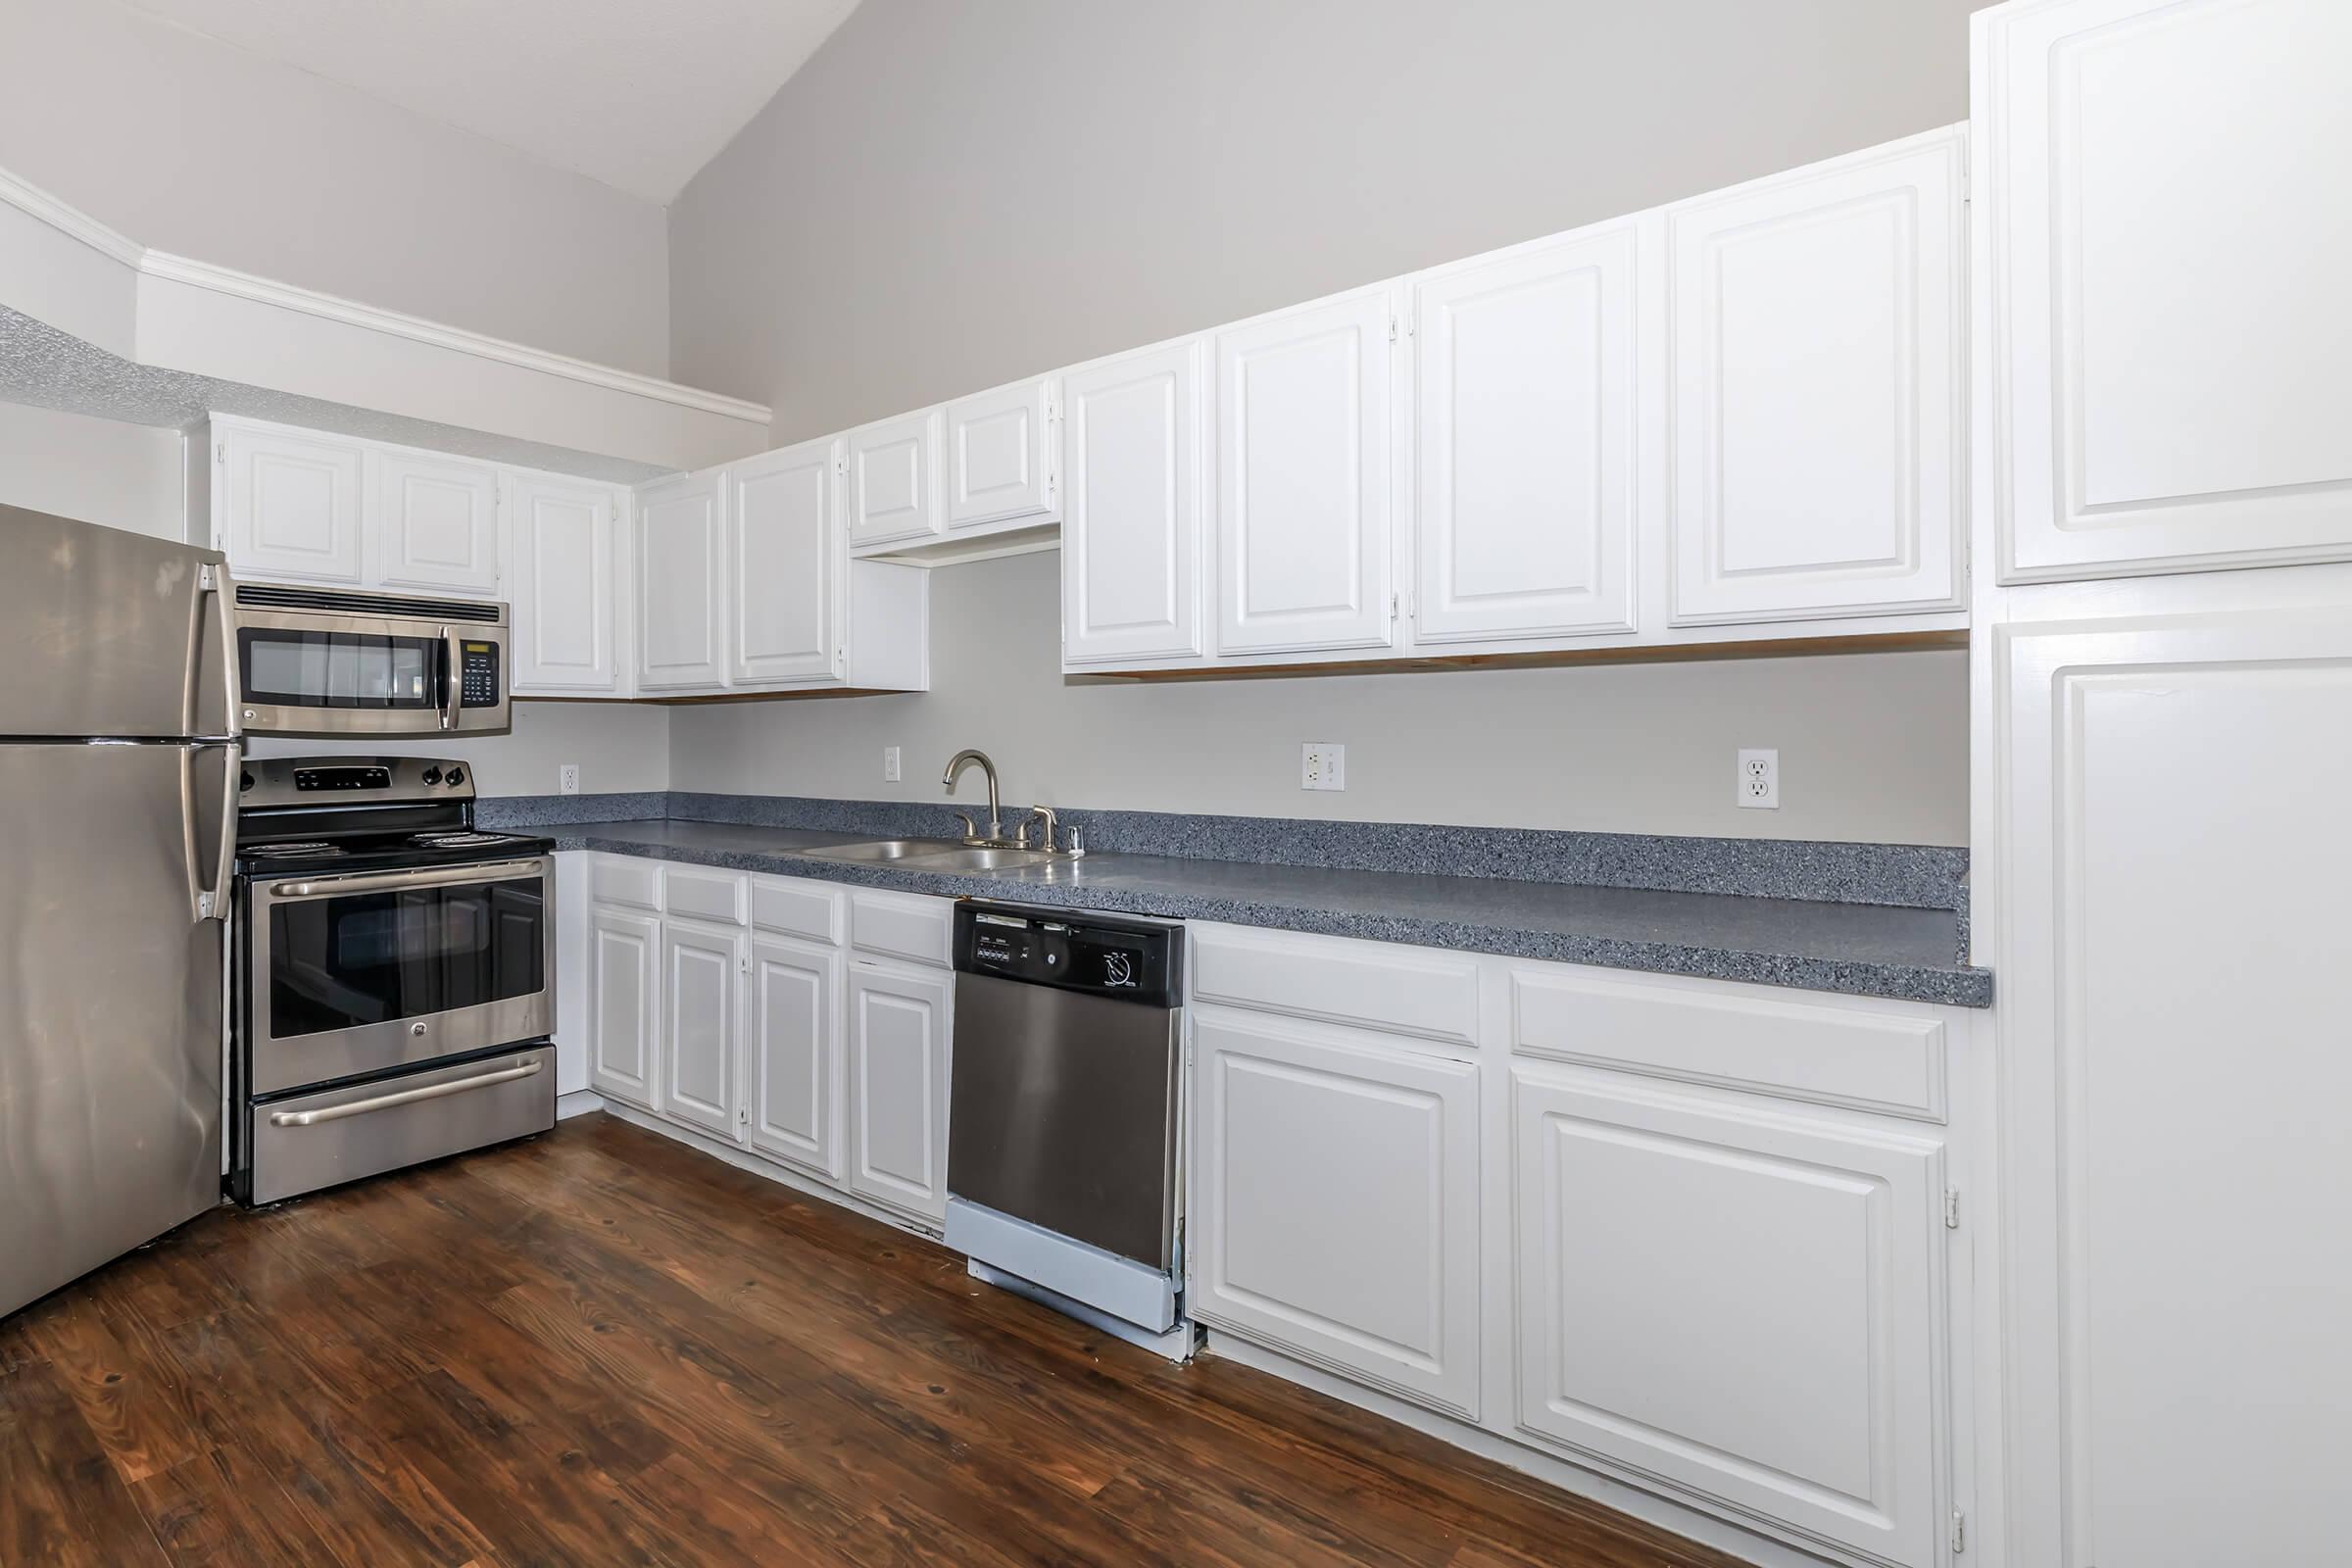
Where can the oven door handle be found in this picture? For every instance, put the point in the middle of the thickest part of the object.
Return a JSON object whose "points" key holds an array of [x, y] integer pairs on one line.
{"points": [[439, 876], [453, 667], [405, 1097]]}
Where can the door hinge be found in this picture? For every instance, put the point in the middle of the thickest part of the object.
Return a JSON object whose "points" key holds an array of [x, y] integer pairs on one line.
{"points": [[1959, 1532], [1951, 1208]]}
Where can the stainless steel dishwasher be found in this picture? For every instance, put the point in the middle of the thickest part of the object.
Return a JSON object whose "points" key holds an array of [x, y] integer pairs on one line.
{"points": [[1065, 1122]]}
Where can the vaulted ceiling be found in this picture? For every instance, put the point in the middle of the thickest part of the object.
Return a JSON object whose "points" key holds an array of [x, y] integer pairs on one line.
{"points": [[637, 93]]}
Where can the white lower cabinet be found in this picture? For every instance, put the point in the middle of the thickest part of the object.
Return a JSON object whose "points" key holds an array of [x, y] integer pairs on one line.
{"points": [[793, 1053], [1336, 1179], [624, 993], [701, 974], [1739, 1302], [898, 1035]]}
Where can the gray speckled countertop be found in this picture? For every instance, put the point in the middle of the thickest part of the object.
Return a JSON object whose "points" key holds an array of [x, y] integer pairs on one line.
{"points": [[1870, 949]]}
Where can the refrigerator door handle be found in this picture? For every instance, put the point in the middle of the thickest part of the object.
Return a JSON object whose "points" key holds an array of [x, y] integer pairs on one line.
{"points": [[210, 902], [216, 581]]}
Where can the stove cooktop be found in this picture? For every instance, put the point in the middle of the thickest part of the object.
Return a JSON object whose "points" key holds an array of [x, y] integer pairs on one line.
{"points": [[456, 847]]}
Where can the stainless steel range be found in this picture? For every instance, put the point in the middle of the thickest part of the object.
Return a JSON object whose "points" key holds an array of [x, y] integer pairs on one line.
{"points": [[393, 979]]}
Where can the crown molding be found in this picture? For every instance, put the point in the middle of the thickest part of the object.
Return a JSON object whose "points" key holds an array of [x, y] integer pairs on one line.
{"points": [[72, 221]]}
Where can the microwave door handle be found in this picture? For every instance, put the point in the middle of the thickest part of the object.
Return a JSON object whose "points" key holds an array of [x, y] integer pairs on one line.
{"points": [[452, 675]]}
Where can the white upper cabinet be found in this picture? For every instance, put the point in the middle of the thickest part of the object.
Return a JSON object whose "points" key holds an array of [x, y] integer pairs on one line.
{"points": [[1739, 1300], [894, 494], [2162, 192], [1302, 496], [1527, 445], [1001, 456], [784, 566], [1131, 536], [289, 504], [1817, 331], [435, 521], [681, 571], [564, 582]]}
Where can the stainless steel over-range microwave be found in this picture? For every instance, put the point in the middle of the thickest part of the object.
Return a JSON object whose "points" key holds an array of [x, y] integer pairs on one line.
{"points": [[340, 662]]}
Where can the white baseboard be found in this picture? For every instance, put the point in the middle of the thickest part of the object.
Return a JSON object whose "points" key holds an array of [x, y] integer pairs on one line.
{"points": [[782, 1175], [579, 1103]]}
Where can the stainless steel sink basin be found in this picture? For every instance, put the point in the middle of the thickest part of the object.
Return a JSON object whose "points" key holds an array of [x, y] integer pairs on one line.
{"points": [[879, 849], [969, 858]]}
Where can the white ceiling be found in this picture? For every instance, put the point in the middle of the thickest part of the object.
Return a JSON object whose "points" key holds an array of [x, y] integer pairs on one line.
{"points": [[637, 93]]}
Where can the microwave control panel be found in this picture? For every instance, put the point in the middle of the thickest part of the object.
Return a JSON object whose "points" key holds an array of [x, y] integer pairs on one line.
{"points": [[479, 672]]}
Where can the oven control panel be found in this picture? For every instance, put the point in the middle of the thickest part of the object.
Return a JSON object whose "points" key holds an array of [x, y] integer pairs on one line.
{"points": [[478, 672]]}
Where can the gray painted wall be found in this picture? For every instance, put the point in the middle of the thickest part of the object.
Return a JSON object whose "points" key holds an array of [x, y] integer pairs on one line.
{"points": [[949, 196], [97, 471], [189, 145]]}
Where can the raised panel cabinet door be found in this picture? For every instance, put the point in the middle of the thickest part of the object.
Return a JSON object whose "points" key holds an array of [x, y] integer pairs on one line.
{"points": [[2172, 1030], [898, 1088], [999, 455], [794, 1044], [702, 968], [894, 480], [624, 1012], [2167, 318], [1817, 328], [681, 569], [1740, 1301], [1131, 531], [1336, 1201], [1527, 432], [435, 521], [293, 504], [564, 586], [785, 564], [1304, 477]]}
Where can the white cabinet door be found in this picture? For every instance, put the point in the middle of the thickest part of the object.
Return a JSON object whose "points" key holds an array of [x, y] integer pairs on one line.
{"points": [[1131, 533], [2174, 1072], [1303, 503], [292, 504], [785, 564], [1818, 330], [702, 967], [894, 480], [2169, 321], [624, 997], [794, 1046], [681, 571], [1737, 1300], [564, 584], [999, 455], [898, 1088], [434, 521], [1528, 442], [1336, 1213]]}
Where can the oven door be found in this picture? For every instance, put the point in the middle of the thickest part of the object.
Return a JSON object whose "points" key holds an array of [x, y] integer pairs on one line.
{"points": [[381, 969], [309, 674]]}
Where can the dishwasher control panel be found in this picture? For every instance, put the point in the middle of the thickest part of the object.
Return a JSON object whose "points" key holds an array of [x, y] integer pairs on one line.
{"points": [[1127, 960]]}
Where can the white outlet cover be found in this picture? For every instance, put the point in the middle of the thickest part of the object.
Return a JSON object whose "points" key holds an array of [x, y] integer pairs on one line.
{"points": [[1757, 786], [1322, 765], [567, 778], [889, 765]]}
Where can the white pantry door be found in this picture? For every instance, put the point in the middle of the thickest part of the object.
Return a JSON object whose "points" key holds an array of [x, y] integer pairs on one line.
{"points": [[2162, 187]]}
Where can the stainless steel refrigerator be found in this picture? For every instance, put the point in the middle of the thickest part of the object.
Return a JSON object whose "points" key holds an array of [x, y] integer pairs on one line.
{"points": [[118, 768]]}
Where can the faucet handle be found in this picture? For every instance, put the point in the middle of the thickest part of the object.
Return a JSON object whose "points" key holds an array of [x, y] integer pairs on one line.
{"points": [[971, 829]]}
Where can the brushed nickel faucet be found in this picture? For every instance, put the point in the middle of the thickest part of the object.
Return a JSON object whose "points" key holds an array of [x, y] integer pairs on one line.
{"points": [[996, 838]]}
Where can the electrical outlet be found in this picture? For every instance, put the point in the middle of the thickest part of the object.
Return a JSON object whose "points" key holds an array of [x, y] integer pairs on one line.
{"points": [[1759, 781], [567, 778], [889, 765], [1322, 765]]}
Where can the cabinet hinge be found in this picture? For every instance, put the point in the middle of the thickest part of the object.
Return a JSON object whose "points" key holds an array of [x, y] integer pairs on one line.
{"points": [[1392, 327], [220, 452], [1959, 1532], [1951, 1208]]}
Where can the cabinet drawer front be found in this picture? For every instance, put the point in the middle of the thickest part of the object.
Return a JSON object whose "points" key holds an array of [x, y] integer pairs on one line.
{"points": [[614, 880], [1739, 1302], [1336, 1201], [1379, 984], [1871, 1058], [706, 894], [797, 909], [902, 925]]}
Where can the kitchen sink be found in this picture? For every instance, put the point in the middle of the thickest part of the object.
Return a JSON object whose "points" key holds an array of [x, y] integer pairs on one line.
{"points": [[979, 858], [878, 850]]}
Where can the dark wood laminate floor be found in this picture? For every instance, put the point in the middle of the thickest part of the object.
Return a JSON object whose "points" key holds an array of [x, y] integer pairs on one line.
{"points": [[601, 1348]]}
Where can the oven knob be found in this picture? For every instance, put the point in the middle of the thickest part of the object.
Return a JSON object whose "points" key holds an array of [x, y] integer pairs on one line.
{"points": [[432, 776], [457, 775]]}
